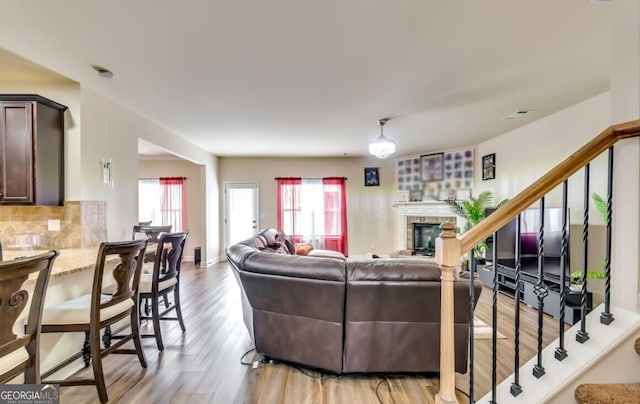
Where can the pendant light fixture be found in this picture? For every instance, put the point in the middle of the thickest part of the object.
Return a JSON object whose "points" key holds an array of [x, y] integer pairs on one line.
{"points": [[382, 147]]}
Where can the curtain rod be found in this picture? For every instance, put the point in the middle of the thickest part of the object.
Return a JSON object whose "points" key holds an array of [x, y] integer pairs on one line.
{"points": [[309, 178], [157, 178]]}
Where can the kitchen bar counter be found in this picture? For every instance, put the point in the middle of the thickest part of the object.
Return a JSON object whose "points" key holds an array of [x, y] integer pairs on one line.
{"points": [[70, 260]]}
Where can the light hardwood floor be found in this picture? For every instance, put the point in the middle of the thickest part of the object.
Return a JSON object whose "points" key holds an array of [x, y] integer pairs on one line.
{"points": [[203, 364]]}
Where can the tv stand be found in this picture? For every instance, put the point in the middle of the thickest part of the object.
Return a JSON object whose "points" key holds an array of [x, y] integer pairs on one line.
{"points": [[506, 285]]}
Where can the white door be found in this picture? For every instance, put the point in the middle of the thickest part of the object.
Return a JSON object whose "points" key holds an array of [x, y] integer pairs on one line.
{"points": [[241, 211]]}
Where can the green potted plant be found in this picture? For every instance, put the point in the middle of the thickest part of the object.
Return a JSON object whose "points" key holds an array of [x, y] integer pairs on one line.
{"points": [[473, 209], [575, 278]]}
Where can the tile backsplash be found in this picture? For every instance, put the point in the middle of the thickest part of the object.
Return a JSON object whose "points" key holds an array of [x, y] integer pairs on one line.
{"points": [[82, 223]]}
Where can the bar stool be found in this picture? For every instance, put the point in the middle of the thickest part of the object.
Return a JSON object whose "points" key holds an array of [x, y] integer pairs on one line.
{"points": [[149, 231], [92, 312], [160, 283], [21, 354]]}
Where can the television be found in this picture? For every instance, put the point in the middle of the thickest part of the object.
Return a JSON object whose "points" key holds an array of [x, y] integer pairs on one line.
{"points": [[530, 227], [506, 242], [529, 237]]}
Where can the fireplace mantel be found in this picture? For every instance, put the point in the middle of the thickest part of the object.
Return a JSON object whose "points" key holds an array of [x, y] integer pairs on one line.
{"points": [[430, 210]]}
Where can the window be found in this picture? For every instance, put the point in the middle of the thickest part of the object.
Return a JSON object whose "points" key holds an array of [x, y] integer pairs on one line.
{"points": [[161, 201], [313, 210]]}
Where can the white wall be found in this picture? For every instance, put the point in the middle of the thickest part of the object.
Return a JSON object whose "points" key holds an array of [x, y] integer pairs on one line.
{"points": [[524, 154], [111, 130], [370, 213], [193, 193], [625, 106], [98, 127]]}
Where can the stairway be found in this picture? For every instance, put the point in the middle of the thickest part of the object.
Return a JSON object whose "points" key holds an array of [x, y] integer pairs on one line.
{"points": [[606, 357], [594, 393]]}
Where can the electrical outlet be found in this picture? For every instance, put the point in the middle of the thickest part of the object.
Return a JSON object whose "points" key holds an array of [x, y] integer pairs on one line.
{"points": [[54, 225]]}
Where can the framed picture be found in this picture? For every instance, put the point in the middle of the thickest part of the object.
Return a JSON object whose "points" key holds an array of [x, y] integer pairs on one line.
{"points": [[447, 195], [489, 167], [432, 167], [416, 196], [371, 176], [402, 196]]}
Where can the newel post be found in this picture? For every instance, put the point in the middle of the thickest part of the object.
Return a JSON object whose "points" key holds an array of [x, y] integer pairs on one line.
{"points": [[448, 257]]}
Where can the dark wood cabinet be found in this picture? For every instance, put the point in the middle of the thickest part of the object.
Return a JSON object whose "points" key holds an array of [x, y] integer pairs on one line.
{"points": [[31, 150]]}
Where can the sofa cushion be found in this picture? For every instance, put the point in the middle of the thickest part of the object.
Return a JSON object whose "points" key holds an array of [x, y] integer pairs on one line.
{"points": [[295, 266], [326, 254], [392, 269]]}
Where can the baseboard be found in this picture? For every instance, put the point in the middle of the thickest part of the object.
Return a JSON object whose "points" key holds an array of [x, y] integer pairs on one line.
{"points": [[212, 261]]}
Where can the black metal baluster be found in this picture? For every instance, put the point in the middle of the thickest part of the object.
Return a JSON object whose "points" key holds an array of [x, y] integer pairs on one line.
{"points": [[472, 272], [494, 319], [561, 352], [515, 386], [582, 335], [606, 317], [107, 336], [86, 350], [541, 290]]}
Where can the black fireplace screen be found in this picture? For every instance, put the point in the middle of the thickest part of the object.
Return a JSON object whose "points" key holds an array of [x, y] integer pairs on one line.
{"points": [[424, 238]]}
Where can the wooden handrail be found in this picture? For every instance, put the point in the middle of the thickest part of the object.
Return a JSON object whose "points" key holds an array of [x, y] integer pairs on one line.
{"points": [[449, 249], [548, 182]]}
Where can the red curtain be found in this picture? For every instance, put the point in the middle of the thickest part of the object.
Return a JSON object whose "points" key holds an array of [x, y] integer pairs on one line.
{"points": [[289, 206], [335, 214], [172, 205], [293, 217]]}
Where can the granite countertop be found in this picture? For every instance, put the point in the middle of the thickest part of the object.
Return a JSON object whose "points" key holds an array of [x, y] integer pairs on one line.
{"points": [[70, 260]]}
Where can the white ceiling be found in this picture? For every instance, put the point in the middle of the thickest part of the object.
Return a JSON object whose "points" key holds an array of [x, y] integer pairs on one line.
{"points": [[311, 78]]}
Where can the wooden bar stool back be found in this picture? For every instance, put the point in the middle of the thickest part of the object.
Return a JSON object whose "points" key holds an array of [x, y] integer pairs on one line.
{"points": [[21, 354], [152, 232], [92, 312], [162, 282]]}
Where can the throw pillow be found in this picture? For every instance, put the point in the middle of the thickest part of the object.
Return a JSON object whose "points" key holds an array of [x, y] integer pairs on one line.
{"points": [[303, 249], [287, 241], [276, 248]]}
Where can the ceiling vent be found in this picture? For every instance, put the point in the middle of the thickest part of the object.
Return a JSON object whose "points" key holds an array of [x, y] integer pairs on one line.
{"points": [[518, 114]]}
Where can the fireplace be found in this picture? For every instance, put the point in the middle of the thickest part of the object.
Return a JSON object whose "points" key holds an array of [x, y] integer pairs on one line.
{"points": [[424, 238], [430, 213]]}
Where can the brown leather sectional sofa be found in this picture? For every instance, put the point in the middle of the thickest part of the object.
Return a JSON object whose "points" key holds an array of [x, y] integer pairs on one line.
{"points": [[345, 315]]}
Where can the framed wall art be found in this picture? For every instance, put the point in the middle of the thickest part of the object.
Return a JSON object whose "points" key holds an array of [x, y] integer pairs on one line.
{"points": [[432, 167], [489, 167], [371, 176], [423, 173]]}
